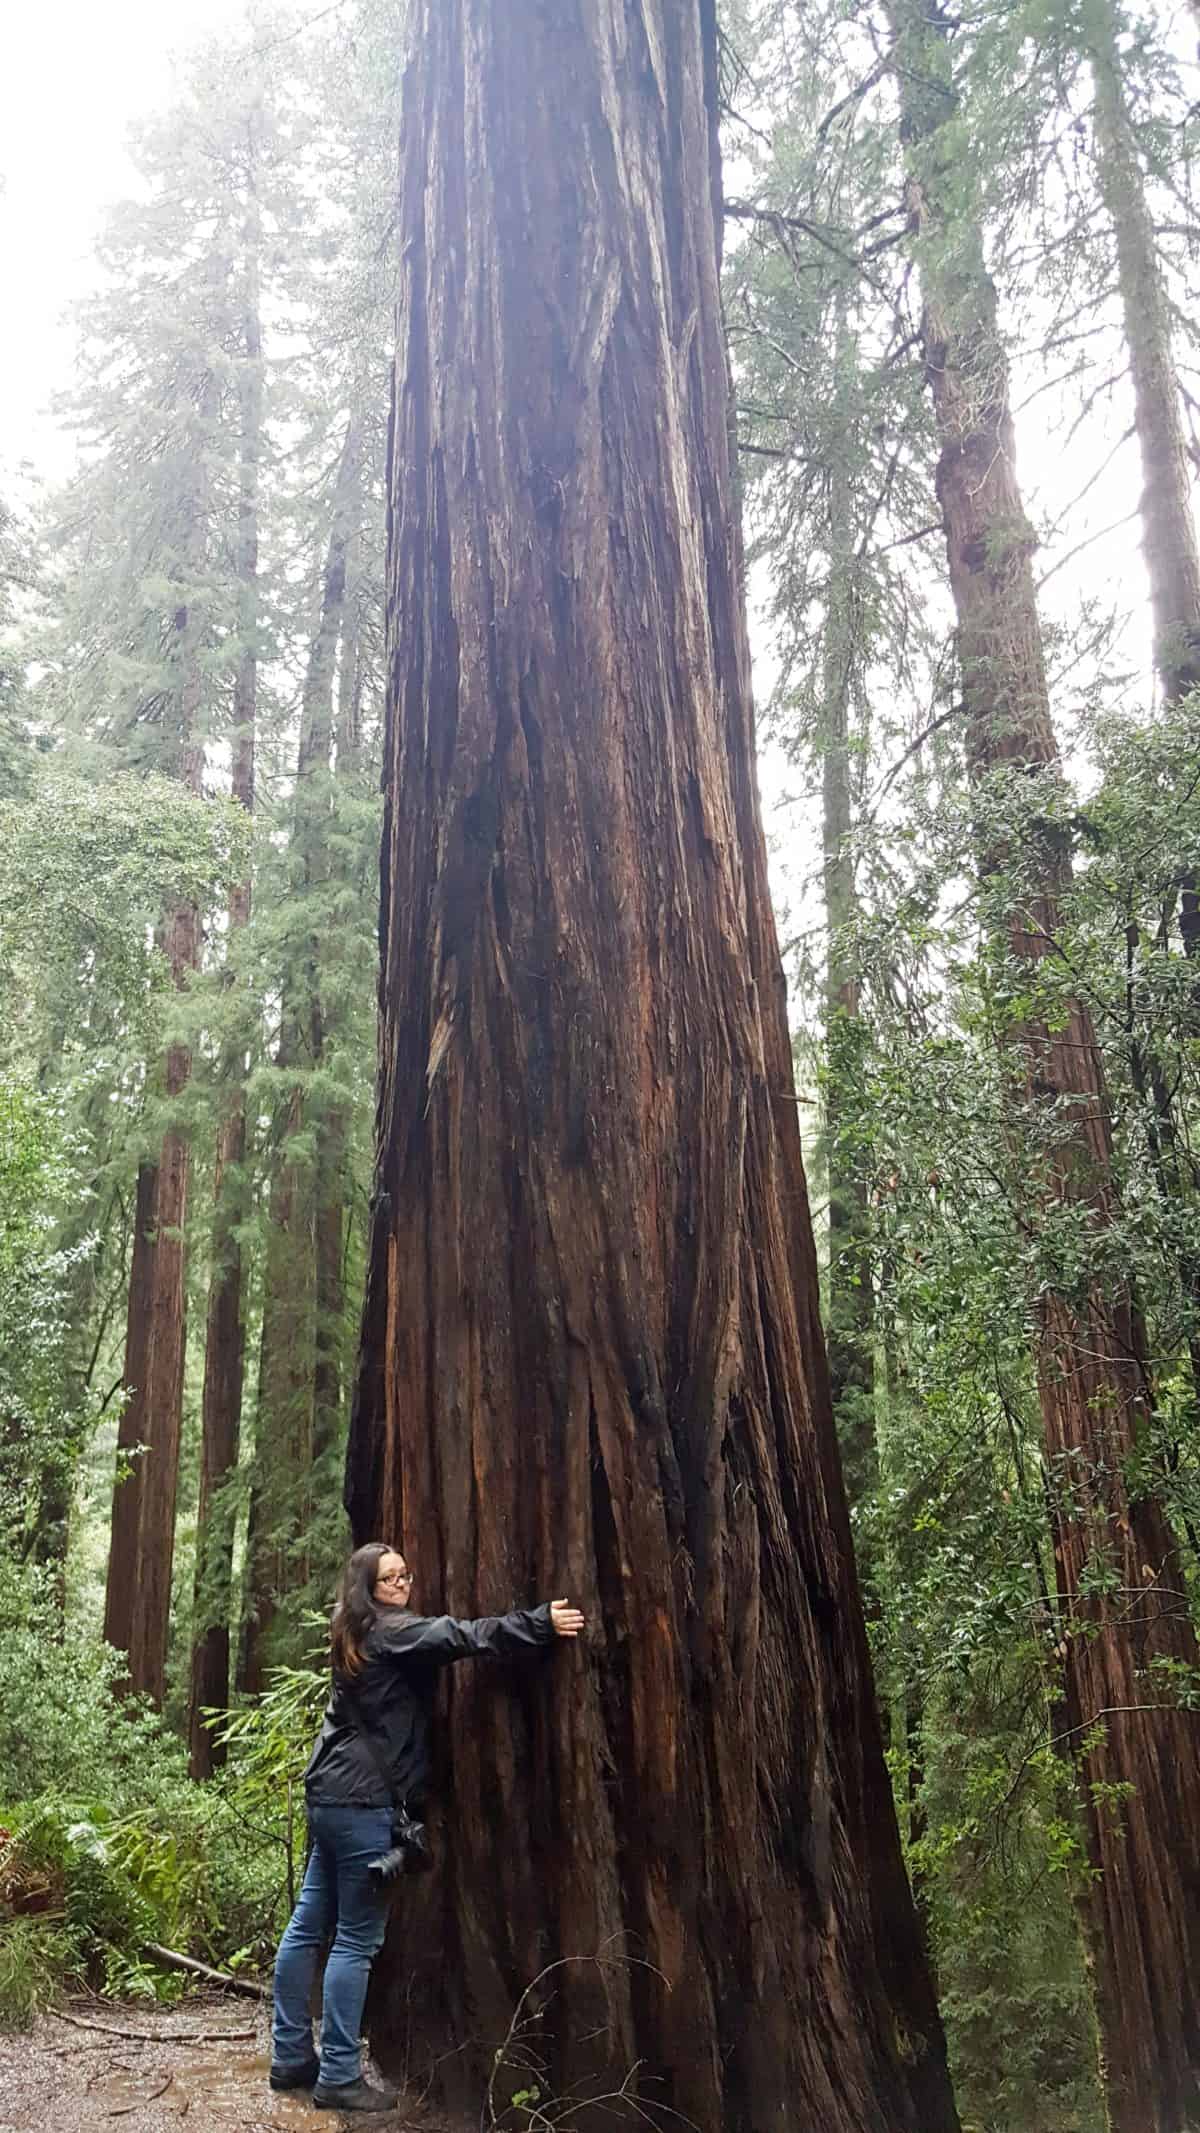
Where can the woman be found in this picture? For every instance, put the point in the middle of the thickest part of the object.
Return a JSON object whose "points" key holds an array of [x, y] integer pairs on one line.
{"points": [[385, 1665]]}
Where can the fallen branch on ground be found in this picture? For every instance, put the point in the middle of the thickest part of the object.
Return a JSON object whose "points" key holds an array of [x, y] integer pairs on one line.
{"points": [[175, 1961], [157, 2036]]}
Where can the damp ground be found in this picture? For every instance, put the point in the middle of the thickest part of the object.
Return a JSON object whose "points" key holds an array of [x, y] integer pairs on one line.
{"points": [[197, 2066]]}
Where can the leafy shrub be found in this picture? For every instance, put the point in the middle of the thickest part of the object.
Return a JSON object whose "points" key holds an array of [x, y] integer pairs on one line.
{"points": [[35, 1955], [64, 1731], [107, 1846]]}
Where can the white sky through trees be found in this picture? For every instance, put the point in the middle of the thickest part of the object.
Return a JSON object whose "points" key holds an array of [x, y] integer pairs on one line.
{"points": [[76, 76]]}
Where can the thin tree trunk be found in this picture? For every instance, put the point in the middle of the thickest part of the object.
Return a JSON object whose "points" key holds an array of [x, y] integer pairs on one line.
{"points": [[350, 672], [166, 1344], [121, 1586], [225, 1334], [591, 1359], [1168, 522], [139, 1599], [1138, 1758], [332, 1180], [1168, 525], [295, 1359], [851, 1313]]}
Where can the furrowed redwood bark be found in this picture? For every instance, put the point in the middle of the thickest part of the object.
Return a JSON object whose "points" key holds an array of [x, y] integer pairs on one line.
{"points": [[225, 1336], [591, 1353], [1121, 1590]]}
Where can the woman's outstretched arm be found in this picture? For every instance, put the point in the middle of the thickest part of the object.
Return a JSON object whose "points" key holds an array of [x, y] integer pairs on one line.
{"points": [[442, 1638]]}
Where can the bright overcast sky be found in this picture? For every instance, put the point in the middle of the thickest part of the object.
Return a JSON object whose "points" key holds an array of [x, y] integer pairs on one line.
{"points": [[76, 74]]}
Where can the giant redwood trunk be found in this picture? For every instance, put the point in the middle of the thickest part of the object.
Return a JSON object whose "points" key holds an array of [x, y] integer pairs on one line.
{"points": [[591, 1354], [225, 1333], [1121, 1591]]}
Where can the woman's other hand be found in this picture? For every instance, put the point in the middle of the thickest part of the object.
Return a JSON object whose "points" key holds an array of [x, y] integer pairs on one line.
{"points": [[567, 1620]]}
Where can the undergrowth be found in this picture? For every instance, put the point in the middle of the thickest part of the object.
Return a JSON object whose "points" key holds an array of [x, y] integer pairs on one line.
{"points": [[107, 1848]]}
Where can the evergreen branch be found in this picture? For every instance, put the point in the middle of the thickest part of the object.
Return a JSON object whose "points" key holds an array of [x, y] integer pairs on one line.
{"points": [[935, 726], [854, 96]]}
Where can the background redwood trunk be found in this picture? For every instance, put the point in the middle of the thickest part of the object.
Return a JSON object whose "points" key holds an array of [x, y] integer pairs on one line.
{"points": [[851, 1302], [591, 1355], [225, 1333], [166, 1341], [1122, 1596], [1168, 525], [139, 1597], [121, 1585], [295, 1360]]}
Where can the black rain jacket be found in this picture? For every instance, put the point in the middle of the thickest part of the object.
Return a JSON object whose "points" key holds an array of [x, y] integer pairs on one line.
{"points": [[393, 1694]]}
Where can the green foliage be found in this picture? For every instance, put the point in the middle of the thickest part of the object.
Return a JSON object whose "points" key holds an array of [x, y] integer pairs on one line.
{"points": [[35, 1956], [109, 1847], [60, 1727], [41, 1436], [85, 871]]}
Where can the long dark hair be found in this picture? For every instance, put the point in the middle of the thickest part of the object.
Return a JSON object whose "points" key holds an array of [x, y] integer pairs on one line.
{"points": [[356, 1612]]}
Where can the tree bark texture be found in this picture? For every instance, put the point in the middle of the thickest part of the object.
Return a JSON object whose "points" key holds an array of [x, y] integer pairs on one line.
{"points": [[1138, 1759], [225, 1333], [591, 1354], [295, 1359]]}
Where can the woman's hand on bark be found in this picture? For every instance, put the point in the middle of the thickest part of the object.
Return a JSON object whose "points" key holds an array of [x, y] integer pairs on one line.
{"points": [[566, 1619]]}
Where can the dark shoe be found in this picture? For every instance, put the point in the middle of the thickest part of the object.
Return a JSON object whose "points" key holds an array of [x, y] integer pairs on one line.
{"points": [[296, 2077], [354, 2096]]}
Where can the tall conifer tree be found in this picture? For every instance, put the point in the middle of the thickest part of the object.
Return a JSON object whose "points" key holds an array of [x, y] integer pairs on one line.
{"points": [[1117, 1561]]}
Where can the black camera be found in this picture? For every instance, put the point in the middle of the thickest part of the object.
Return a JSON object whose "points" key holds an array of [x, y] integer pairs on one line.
{"points": [[409, 1852]]}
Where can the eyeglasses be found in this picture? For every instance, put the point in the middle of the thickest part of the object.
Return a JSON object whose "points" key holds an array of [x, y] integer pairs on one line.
{"points": [[396, 1577]]}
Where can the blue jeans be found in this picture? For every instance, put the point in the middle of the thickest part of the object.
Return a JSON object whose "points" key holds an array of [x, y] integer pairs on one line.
{"points": [[338, 1901]]}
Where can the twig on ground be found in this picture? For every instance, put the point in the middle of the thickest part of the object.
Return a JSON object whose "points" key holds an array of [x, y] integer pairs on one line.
{"points": [[122, 2110]]}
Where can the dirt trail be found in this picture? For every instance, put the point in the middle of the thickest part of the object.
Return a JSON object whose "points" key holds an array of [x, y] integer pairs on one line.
{"points": [[64, 2077]]}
